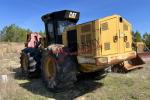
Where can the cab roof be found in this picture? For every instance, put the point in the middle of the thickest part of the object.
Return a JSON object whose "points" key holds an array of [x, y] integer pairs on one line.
{"points": [[62, 15]]}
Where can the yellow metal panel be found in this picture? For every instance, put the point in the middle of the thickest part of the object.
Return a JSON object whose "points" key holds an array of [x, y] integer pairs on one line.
{"points": [[85, 35], [121, 35], [108, 32], [128, 34], [125, 36], [108, 17], [97, 38]]}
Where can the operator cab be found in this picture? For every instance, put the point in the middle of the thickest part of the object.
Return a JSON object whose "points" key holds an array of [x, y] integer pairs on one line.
{"points": [[57, 22]]}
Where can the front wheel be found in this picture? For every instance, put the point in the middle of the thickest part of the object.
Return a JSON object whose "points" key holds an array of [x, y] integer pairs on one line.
{"points": [[59, 73]]}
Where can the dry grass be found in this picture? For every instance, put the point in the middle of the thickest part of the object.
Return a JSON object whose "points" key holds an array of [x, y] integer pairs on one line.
{"points": [[6, 47], [10, 90], [134, 85]]}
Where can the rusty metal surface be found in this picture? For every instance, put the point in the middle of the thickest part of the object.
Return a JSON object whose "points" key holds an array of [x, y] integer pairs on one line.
{"points": [[118, 60], [141, 58], [145, 56]]}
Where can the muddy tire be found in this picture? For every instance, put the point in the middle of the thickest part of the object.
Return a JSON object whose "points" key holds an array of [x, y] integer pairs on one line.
{"points": [[59, 72], [30, 64]]}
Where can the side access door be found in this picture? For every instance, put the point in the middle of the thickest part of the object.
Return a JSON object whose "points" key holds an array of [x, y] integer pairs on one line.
{"points": [[109, 36], [127, 29], [125, 36]]}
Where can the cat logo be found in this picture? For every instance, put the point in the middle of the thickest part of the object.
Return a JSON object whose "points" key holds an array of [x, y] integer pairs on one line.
{"points": [[72, 15]]}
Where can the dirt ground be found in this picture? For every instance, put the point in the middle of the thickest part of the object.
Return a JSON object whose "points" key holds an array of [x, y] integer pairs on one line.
{"points": [[134, 85]]}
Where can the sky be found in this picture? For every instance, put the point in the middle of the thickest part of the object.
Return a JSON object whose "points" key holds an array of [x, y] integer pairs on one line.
{"points": [[27, 13]]}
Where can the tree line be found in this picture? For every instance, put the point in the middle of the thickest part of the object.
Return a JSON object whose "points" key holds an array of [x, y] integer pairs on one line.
{"points": [[14, 33], [142, 38]]}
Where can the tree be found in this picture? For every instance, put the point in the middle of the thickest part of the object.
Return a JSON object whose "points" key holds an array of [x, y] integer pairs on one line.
{"points": [[14, 33], [42, 33], [138, 36], [146, 38]]}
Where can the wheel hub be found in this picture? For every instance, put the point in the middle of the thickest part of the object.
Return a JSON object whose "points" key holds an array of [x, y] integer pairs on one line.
{"points": [[49, 68]]}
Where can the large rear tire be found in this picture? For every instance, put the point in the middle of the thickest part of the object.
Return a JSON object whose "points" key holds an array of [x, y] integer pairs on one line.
{"points": [[59, 73], [30, 64]]}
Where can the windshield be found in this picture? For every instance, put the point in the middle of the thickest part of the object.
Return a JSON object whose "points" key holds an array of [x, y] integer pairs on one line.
{"points": [[62, 26], [51, 36]]}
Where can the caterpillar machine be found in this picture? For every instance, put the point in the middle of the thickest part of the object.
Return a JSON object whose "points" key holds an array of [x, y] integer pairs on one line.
{"points": [[71, 49]]}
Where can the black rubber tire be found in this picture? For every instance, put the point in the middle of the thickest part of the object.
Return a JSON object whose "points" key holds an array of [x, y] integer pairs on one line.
{"points": [[32, 69], [64, 73], [24, 67]]}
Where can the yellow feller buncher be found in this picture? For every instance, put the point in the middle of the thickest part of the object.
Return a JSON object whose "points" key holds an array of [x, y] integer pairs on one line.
{"points": [[69, 49]]}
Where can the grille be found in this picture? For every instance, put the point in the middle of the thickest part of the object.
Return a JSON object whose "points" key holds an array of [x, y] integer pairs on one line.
{"points": [[104, 26], [86, 43], [86, 28], [127, 45], [107, 46]]}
